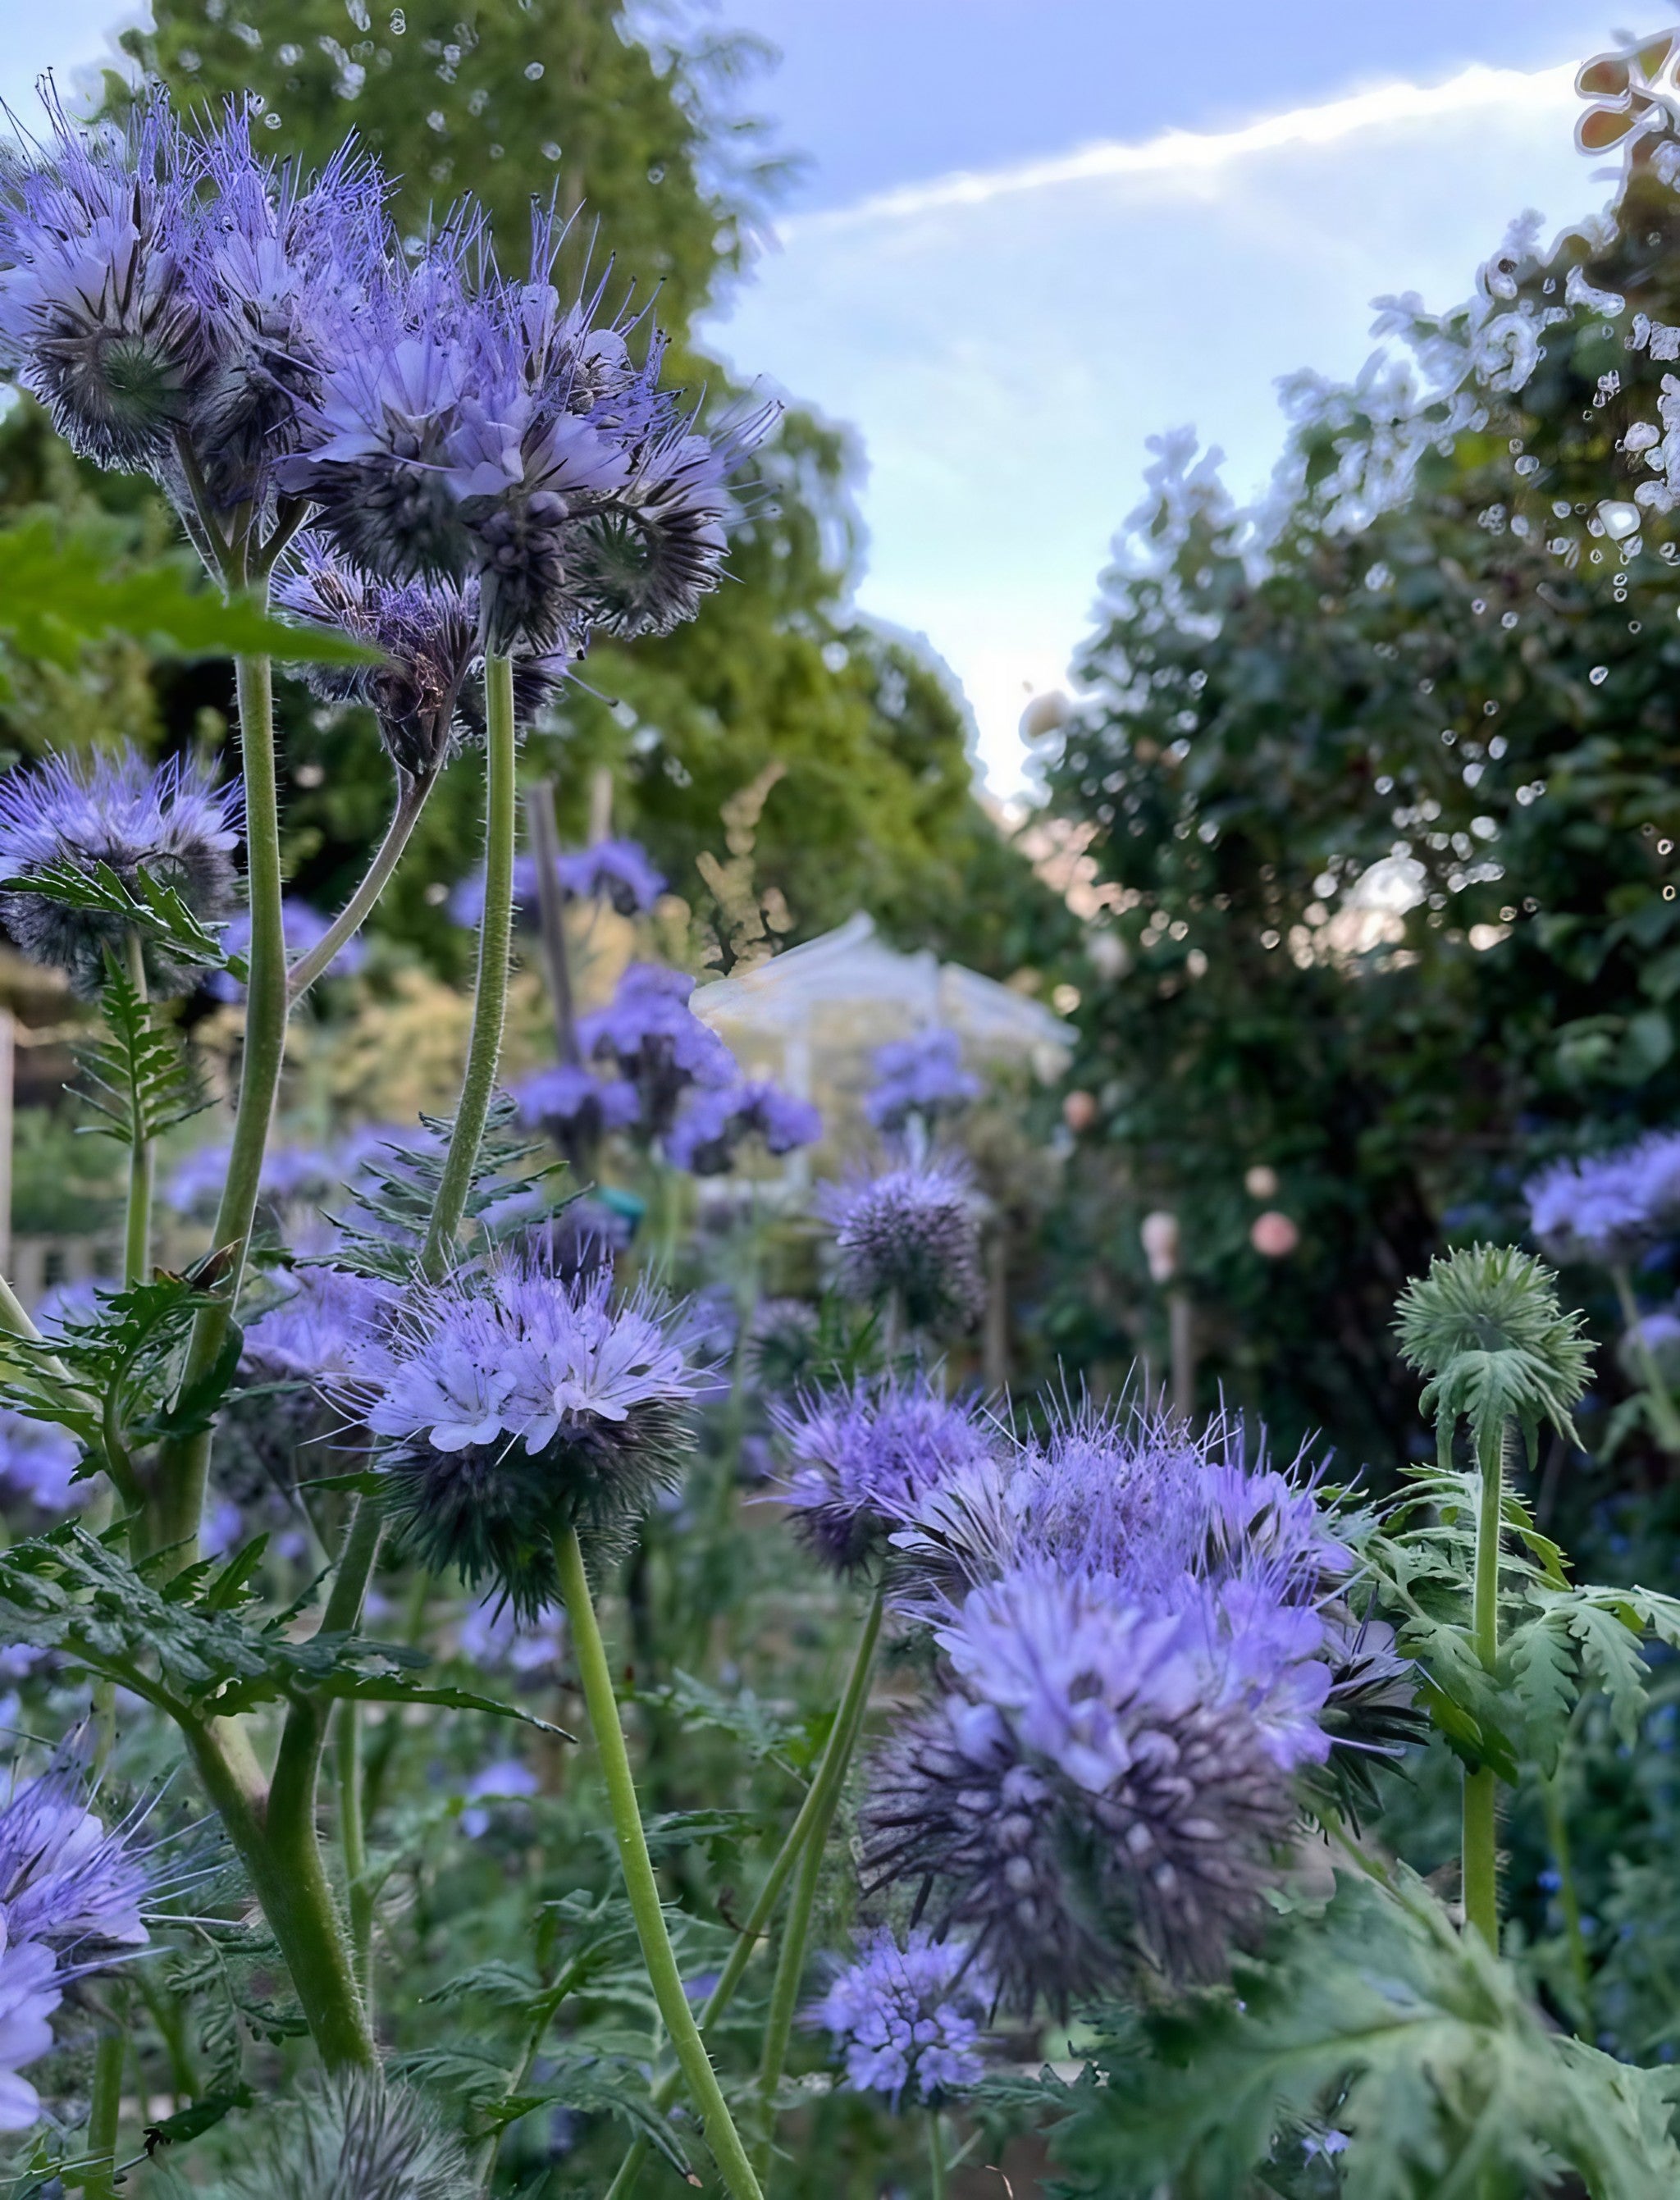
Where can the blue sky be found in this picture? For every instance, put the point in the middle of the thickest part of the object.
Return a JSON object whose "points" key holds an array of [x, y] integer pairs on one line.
{"points": [[1033, 233]]}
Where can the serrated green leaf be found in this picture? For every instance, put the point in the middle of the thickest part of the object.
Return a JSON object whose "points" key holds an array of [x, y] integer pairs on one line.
{"points": [[1543, 1680], [143, 1081], [155, 911]]}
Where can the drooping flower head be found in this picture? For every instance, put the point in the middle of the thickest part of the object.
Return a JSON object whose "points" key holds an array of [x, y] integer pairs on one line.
{"points": [[97, 319], [860, 1458], [910, 1234], [714, 1122], [1611, 1208], [427, 692], [303, 928], [660, 1045], [575, 1107], [357, 2137], [909, 2022], [1088, 1800], [512, 1405], [616, 872], [169, 822], [922, 1077]]}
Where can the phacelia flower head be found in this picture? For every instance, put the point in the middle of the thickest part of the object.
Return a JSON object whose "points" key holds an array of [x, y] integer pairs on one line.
{"points": [[37, 1462], [1612, 1208], [910, 1234], [357, 2137], [494, 1636], [97, 319], [513, 1405], [1088, 1800], [274, 258], [616, 872], [715, 1121], [168, 822], [322, 1328], [65, 1879], [575, 1107], [922, 1077], [658, 1042], [909, 2022], [291, 1176], [30, 1990], [859, 1458]]}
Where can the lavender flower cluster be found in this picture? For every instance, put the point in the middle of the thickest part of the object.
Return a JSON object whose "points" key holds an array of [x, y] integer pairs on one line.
{"points": [[659, 1045], [921, 1078], [714, 1123], [1145, 1642], [616, 873], [909, 2020], [909, 1237], [1612, 1208]]}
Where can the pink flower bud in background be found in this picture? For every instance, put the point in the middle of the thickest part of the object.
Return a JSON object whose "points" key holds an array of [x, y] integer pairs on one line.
{"points": [[1079, 1111], [1160, 1234], [1260, 1182], [1273, 1234]]}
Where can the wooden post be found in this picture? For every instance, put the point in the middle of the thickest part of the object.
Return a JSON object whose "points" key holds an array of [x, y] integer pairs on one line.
{"points": [[1181, 1329], [545, 852]]}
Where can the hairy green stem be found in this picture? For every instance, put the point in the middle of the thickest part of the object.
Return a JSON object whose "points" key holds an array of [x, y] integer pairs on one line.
{"points": [[818, 1807], [1664, 1417], [489, 1007], [639, 1883], [178, 1501], [1481, 1787], [411, 800], [353, 1840], [936, 2162], [137, 1234], [105, 2103]]}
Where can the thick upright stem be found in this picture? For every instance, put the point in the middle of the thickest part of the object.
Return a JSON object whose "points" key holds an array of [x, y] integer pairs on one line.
{"points": [[105, 2101], [489, 1006], [411, 800], [936, 2163], [137, 1236], [639, 1883], [817, 1809], [179, 1499], [1664, 1417], [551, 911], [1481, 1787], [796, 1931], [353, 1840]]}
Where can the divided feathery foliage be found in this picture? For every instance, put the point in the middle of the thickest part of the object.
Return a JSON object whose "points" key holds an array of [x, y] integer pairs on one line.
{"points": [[142, 1078], [1383, 2037], [390, 1200], [155, 911]]}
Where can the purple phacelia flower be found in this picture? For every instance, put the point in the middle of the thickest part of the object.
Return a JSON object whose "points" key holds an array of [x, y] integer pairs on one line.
{"points": [[31, 1990], [658, 1042], [714, 1122], [303, 928], [291, 1176], [96, 318], [1610, 1209], [909, 2022], [1087, 1800], [616, 872], [575, 1107], [506, 1781], [65, 1879], [922, 1077], [37, 1465], [512, 1406], [859, 1458], [494, 1636], [168, 822], [911, 1236], [322, 1328]]}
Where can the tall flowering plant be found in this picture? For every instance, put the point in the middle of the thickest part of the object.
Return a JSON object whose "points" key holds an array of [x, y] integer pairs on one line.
{"points": [[448, 477]]}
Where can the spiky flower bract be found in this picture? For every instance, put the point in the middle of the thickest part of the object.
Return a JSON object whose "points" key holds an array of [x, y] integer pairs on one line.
{"points": [[1485, 1327], [1611, 1208], [354, 2137], [169, 822], [910, 1234], [909, 2022], [922, 1077], [859, 1458], [658, 1042], [510, 1404], [616, 872], [1089, 1799], [713, 1123]]}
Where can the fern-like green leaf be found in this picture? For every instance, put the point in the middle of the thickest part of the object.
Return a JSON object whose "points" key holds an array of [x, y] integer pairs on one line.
{"points": [[157, 912], [141, 1080]]}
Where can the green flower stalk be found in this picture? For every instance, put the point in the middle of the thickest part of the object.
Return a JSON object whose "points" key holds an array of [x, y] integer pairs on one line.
{"points": [[1484, 1327]]}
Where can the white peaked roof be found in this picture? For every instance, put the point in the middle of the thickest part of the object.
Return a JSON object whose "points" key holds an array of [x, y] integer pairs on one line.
{"points": [[850, 969]]}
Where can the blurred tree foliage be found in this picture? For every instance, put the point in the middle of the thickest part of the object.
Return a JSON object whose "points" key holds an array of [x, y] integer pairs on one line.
{"points": [[642, 133], [1381, 790]]}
